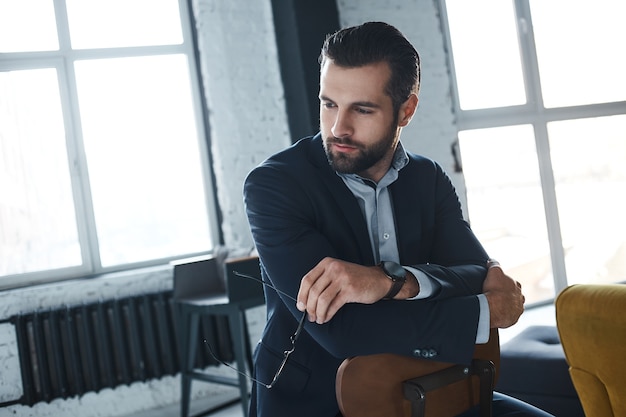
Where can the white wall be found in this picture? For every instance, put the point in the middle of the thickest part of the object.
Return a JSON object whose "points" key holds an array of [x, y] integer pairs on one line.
{"points": [[247, 123]]}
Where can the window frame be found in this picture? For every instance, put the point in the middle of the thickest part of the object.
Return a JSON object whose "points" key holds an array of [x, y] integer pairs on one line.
{"points": [[533, 113], [62, 60]]}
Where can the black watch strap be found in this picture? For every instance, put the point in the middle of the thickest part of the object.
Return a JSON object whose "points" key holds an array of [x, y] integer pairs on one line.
{"points": [[396, 286], [396, 274]]}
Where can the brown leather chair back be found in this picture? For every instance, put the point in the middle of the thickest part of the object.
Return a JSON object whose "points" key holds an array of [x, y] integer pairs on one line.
{"points": [[376, 385]]}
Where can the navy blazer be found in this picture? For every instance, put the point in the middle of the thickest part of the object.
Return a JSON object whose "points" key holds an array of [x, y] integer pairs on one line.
{"points": [[300, 211]]}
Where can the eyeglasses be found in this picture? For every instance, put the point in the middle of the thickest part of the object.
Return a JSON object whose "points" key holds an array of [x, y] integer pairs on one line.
{"points": [[293, 339]]}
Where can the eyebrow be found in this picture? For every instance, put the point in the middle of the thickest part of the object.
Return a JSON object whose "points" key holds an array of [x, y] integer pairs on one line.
{"points": [[356, 103]]}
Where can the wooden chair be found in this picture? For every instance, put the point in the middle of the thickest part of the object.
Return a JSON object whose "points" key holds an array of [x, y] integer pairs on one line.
{"points": [[401, 386]]}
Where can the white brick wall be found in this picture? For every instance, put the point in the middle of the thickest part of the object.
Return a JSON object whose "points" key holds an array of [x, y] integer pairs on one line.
{"points": [[248, 120], [247, 123]]}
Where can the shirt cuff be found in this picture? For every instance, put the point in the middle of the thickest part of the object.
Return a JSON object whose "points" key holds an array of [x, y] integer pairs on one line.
{"points": [[482, 333], [427, 284]]}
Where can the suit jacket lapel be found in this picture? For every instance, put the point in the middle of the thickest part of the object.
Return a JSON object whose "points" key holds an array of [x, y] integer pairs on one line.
{"points": [[350, 210], [408, 212]]}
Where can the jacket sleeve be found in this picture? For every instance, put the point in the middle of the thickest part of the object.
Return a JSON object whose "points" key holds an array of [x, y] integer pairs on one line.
{"points": [[433, 235]]}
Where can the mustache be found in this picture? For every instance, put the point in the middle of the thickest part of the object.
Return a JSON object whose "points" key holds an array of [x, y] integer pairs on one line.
{"points": [[342, 141]]}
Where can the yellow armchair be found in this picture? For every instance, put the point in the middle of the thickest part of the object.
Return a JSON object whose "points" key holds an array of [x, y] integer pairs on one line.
{"points": [[592, 326]]}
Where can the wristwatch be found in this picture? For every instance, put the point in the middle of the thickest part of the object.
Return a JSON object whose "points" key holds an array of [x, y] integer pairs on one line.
{"points": [[492, 262], [396, 274]]}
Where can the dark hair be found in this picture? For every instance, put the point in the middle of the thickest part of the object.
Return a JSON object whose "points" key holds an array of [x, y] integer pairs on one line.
{"points": [[374, 42]]}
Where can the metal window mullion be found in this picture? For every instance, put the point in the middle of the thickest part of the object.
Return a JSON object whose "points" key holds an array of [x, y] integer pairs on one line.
{"points": [[517, 115], [125, 52], [550, 204], [81, 189], [585, 111], [201, 118], [495, 117], [528, 51], [82, 185], [532, 80]]}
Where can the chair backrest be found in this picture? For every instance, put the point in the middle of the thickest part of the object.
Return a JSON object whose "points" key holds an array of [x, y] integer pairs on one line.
{"points": [[592, 326], [372, 386], [240, 288], [197, 277]]}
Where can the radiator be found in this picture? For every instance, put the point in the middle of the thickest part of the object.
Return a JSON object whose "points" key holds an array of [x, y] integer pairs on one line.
{"points": [[70, 351]]}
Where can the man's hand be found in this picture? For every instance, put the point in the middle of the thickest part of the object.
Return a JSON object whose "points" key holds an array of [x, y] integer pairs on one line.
{"points": [[333, 283], [505, 298]]}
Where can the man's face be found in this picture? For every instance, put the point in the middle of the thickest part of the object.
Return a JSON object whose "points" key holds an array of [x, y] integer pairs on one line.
{"points": [[357, 121]]}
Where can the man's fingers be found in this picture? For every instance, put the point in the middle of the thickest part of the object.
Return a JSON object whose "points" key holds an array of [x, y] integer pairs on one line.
{"points": [[320, 296], [303, 295], [317, 292], [306, 284], [328, 303], [334, 307]]}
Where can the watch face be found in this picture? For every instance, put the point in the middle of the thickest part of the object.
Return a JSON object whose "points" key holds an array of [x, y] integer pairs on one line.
{"points": [[394, 270]]}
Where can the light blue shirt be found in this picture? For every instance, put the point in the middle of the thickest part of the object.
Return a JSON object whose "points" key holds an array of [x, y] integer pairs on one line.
{"points": [[376, 205]]}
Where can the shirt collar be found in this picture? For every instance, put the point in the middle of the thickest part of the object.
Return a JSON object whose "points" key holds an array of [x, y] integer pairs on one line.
{"points": [[400, 157]]}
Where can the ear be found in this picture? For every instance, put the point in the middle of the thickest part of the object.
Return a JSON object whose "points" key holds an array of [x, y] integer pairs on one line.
{"points": [[407, 110]]}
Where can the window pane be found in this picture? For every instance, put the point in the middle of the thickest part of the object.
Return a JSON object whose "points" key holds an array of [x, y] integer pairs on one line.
{"points": [[588, 157], [505, 204], [27, 26], [36, 207], [116, 23], [143, 157], [486, 53], [580, 50]]}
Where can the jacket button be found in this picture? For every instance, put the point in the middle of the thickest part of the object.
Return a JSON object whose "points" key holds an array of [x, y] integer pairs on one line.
{"points": [[425, 353]]}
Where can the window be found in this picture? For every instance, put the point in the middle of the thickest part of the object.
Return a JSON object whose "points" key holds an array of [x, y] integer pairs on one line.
{"points": [[541, 105], [103, 162]]}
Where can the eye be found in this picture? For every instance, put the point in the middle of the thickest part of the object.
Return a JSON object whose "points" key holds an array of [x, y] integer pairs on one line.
{"points": [[328, 104], [363, 110]]}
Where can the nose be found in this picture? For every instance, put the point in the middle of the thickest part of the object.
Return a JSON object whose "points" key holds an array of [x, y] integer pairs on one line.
{"points": [[342, 126]]}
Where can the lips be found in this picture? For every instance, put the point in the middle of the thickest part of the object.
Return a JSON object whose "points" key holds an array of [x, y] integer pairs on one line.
{"points": [[343, 145], [344, 148]]}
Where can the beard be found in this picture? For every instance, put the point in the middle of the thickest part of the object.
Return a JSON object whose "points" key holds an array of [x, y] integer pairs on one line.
{"points": [[364, 158]]}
